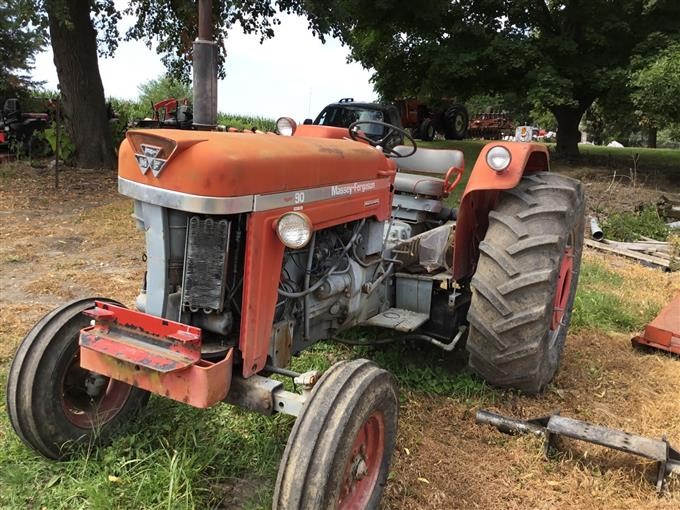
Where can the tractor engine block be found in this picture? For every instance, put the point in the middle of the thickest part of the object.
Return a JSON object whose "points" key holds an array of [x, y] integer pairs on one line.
{"points": [[344, 262]]}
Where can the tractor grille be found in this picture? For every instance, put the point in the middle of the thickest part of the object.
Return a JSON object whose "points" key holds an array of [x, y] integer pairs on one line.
{"points": [[205, 264]]}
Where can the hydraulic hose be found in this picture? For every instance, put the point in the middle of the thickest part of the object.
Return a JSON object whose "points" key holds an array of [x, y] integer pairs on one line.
{"points": [[321, 280]]}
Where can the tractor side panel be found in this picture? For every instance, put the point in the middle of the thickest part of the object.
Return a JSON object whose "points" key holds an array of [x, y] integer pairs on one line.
{"points": [[264, 258], [481, 194]]}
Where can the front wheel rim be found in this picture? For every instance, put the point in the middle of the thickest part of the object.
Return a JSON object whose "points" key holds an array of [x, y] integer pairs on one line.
{"points": [[89, 399], [363, 466]]}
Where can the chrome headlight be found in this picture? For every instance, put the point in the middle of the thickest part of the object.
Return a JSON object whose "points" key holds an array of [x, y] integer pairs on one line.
{"points": [[498, 158], [294, 230], [286, 126]]}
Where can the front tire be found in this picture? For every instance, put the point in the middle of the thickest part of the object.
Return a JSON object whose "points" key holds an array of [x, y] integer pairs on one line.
{"points": [[53, 403], [525, 282], [339, 451]]}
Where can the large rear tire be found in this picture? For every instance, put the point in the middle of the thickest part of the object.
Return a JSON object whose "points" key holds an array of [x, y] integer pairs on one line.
{"points": [[456, 121], [339, 451], [525, 282], [53, 403], [426, 130]]}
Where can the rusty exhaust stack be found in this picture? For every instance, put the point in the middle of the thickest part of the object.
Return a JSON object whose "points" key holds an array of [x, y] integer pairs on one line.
{"points": [[205, 70]]}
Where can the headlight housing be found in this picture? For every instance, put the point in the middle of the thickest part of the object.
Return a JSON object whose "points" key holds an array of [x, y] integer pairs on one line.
{"points": [[498, 158], [286, 126], [294, 230]]}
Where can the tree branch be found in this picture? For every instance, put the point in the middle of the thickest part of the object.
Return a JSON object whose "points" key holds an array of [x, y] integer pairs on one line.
{"points": [[545, 19]]}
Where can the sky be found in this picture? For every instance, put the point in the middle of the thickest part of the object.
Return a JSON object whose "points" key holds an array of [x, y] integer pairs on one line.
{"points": [[292, 74]]}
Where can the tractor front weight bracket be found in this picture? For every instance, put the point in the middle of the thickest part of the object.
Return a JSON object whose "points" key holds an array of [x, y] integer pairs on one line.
{"points": [[268, 396], [164, 357], [152, 353]]}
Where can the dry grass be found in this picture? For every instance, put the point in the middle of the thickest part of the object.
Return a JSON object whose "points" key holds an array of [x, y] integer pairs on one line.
{"points": [[444, 460]]}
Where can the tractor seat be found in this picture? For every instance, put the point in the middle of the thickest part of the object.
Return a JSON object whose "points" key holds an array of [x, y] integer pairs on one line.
{"points": [[427, 161], [417, 184]]}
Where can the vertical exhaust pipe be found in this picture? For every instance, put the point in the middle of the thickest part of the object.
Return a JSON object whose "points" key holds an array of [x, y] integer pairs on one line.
{"points": [[205, 70]]}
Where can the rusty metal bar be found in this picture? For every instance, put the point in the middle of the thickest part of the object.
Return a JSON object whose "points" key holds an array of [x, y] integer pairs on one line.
{"points": [[550, 427], [509, 425]]}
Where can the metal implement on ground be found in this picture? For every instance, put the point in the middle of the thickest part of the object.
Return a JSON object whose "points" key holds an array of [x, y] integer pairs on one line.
{"points": [[553, 426], [664, 331]]}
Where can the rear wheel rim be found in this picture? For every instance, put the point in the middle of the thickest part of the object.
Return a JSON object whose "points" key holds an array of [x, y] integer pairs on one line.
{"points": [[90, 399], [563, 287], [460, 123], [363, 466]]}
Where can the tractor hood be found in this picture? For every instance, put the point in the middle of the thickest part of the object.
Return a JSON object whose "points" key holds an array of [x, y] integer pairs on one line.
{"points": [[216, 164]]}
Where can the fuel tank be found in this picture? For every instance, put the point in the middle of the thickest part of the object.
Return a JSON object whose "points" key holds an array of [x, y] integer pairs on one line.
{"points": [[218, 164]]}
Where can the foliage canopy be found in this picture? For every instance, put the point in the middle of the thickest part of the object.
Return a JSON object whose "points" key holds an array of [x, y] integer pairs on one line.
{"points": [[19, 42], [656, 88], [563, 54]]}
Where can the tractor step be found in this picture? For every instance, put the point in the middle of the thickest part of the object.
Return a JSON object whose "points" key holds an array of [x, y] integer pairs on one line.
{"points": [[399, 319], [154, 354]]}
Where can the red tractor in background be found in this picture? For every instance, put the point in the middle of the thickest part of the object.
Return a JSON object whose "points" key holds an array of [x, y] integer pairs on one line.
{"points": [[258, 246], [425, 121], [169, 113], [22, 128]]}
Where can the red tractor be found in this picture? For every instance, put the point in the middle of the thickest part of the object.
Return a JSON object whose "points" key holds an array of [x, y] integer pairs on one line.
{"points": [[169, 113], [259, 246], [425, 121]]}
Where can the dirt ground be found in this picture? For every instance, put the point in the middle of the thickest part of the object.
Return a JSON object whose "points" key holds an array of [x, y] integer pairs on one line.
{"points": [[84, 243]]}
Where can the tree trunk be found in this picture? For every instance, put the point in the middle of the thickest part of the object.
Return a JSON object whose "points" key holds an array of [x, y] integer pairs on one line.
{"points": [[651, 137], [74, 44], [568, 135]]}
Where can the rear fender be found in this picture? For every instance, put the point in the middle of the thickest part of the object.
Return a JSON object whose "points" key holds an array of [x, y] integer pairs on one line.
{"points": [[481, 194]]}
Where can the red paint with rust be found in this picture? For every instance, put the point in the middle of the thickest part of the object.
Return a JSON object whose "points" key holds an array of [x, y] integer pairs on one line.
{"points": [[154, 354], [563, 287], [481, 194], [85, 410], [664, 331], [363, 465], [264, 258], [236, 164]]}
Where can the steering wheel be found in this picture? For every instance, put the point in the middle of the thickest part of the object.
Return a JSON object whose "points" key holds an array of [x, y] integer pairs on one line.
{"points": [[356, 134]]}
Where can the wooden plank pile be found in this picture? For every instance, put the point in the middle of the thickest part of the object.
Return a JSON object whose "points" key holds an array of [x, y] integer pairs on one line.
{"points": [[649, 252]]}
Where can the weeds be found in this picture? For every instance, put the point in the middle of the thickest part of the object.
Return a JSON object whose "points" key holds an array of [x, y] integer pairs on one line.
{"points": [[598, 306], [174, 456], [632, 226]]}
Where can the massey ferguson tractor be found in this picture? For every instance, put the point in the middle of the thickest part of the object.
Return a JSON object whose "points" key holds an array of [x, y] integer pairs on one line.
{"points": [[260, 245]]}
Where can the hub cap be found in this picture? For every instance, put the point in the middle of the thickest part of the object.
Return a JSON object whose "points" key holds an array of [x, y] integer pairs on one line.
{"points": [[459, 123], [363, 466], [90, 399]]}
